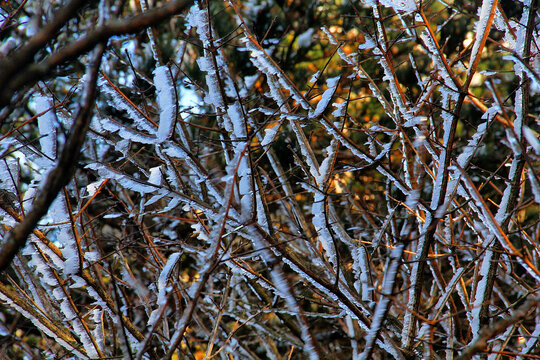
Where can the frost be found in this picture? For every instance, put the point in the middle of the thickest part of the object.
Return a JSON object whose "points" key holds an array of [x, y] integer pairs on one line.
{"points": [[479, 296], [120, 103], [532, 139], [400, 5], [304, 39], [331, 37], [326, 97], [126, 134], [364, 191], [92, 188], [47, 127], [341, 109], [412, 199], [315, 77], [41, 326], [7, 46], [482, 29], [213, 96], [535, 186], [285, 291], [9, 175], [269, 135], [368, 44], [250, 80], [166, 100], [125, 180], [155, 176]]}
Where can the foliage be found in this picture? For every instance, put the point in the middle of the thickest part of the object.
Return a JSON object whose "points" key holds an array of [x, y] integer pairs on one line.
{"points": [[269, 179]]}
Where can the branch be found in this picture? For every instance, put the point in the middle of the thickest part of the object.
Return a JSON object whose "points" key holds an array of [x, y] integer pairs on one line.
{"points": [[489, 332], [17, 61], [30, 74], [60, 175]]}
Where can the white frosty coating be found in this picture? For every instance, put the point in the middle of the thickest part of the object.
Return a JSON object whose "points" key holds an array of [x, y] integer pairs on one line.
{"points": [[305, 147], [155, 176], [125, 132], [124, 180], [234, 112], [384, 302], [361, 270], [532, 342], [275, 94], [213, 96], [284, 290], [155, 198], [369, 43], [325, 169], [79, 282], [382, 100], [176, 152], [122, 147], [315, 77], [97, 333], [400, 5], [33, 287], [518, 108], [504, 211], [482, 28], [55, 261], [267, 66], [166, 100], [493, 223], [162, 286], [198, 19], [269, 135], [532, 139], [319, 222], [179, 153], [514, 142], [6, 142], [9, 169], [326, 97], [535, 186], [71, 316], [436, 58], [519, 44], [47, 126], [463, 160], [92, 188], [442, 300], [447, 98], [479, 295], [41, 267], [304, 39], [331, 37], [41, 326], [118, 102], [341, 109], [7, 46], [59, 214], [504, 26], [249, 81]]}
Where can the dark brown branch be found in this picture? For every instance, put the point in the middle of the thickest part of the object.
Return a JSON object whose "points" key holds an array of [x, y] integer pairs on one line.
{"points": [[490, 332], [60, 175], [17, 62], [20, 75]]}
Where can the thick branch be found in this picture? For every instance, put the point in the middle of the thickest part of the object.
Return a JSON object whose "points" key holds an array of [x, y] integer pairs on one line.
{"points": [[60, 175], [19, 76], [17, 62], [497, 328]]}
